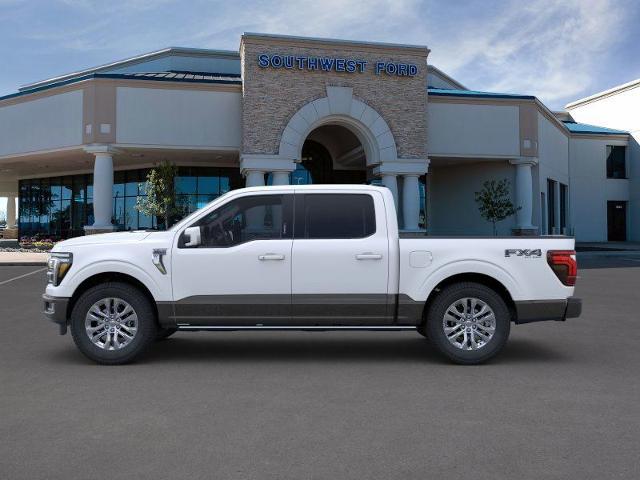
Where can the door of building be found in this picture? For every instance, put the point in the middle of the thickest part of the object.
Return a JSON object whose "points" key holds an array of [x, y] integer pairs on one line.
{"points": [[617, 221]]}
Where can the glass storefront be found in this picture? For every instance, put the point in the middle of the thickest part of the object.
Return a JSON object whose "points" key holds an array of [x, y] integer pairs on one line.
{"points": [[59, 207]]}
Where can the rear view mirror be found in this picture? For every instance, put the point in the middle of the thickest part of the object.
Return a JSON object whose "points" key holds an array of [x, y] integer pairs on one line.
{"points": [[192, 237]]}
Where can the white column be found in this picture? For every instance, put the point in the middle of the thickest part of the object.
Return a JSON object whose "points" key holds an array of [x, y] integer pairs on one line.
{"points": [[410, 202], [390, 181], [254, 178], [409, 195], [102, 188], [103, 191], [11, 212], [280, 178], [524, 193]]}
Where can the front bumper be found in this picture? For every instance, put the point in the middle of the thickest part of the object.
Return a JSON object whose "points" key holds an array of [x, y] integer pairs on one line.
{"points": [[55, 309], [541, 310]]}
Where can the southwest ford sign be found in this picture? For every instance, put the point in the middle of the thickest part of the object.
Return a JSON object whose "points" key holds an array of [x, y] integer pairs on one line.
{"points": [[334, 64]]}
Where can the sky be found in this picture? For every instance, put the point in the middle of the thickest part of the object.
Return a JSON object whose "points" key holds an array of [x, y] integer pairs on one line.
{"points": [[557, 50]]}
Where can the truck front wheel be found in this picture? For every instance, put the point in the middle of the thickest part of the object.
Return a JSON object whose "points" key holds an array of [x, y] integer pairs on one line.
{"points": [[113, 323], [468, 322]]}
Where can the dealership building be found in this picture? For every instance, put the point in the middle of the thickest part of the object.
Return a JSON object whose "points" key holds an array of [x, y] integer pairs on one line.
{"points": [[75, 149]]}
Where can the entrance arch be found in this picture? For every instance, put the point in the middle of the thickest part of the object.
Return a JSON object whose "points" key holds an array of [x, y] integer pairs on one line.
{"points": [[340, 108], [333, 154]]}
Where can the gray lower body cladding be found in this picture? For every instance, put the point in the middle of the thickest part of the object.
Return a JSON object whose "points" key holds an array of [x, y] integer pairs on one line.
{"points": [[541, 310], [286, 310], [352, 310]]}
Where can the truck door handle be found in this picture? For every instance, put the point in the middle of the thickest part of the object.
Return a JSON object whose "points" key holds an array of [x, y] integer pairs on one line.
{"points": [[368, 256], [270, 256]]}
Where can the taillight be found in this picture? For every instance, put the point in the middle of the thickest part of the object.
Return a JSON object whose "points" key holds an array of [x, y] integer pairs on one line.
{"points": [[564, 265]]}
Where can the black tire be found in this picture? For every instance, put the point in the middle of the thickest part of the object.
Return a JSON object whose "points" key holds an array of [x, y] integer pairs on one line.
{"points": [[146, 323], [435, 323], [422, 330], [164, 333]]}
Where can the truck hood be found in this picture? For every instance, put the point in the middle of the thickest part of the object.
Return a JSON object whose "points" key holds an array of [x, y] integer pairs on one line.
{"points": [[104, 238]]}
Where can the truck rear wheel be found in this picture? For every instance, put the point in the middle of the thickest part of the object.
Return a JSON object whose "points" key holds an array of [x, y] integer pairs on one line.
{"points": [[468, 322], [113, 323]]}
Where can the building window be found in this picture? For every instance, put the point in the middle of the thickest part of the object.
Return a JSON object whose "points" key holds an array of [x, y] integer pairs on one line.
{"points": [[564, 204], [60, 207], [616, 161], [551, 206]]}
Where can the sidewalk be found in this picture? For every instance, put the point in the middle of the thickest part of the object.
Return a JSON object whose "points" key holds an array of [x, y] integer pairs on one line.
{"points": [[608, 246], [23, 259]]}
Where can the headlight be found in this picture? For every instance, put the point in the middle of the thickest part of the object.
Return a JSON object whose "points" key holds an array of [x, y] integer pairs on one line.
{"points": [[58, 266]]}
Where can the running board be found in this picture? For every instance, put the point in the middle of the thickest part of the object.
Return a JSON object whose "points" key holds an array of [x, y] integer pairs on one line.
{"points": [[301, 327]]}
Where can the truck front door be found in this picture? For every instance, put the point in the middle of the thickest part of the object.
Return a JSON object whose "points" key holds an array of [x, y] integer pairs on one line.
{"points": [[240, 273]]}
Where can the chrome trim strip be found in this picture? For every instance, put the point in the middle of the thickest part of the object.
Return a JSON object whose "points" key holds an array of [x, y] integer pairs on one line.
{"points": [[182, 326]]}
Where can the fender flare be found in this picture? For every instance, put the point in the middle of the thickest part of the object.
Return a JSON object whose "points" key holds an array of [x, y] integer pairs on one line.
{"points": [[461, 267], [116, 266]]}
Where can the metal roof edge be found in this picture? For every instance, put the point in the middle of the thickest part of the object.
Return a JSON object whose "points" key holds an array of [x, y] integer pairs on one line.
{"points": [[131, 61], [441, 92], [124, 76], [447, 77]]}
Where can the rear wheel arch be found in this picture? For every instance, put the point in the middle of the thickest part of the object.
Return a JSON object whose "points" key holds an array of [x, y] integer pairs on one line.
{"points": [[479, 278]]}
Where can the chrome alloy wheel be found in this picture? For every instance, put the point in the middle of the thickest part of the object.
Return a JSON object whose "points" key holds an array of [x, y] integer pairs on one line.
{"points": [[111, 324], [469, 323]]}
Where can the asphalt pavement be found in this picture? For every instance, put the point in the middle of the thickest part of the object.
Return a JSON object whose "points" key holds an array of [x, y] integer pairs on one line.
{"points": [[561, 402]]}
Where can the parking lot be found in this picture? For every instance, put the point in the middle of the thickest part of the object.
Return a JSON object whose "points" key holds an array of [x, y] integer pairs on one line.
{"points": [[562, 401]]}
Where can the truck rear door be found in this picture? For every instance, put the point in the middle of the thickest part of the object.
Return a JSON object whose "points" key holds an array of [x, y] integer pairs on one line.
{"points": [[340, 259]]}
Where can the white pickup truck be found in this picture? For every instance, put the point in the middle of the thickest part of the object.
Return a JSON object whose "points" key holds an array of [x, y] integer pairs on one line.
{"points": [[324, 257]]}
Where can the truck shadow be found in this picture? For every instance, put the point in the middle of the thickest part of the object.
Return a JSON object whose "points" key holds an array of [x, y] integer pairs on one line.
{"points": [[319, 350]]}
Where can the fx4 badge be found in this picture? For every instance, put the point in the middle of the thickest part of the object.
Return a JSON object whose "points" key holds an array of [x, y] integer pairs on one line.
{"points": [[516, 252]]}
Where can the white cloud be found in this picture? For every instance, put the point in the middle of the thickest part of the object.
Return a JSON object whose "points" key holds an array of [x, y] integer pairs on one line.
{"points": [[546, 48]]}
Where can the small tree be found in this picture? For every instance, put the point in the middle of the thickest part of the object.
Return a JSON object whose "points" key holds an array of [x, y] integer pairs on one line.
{"points": [[494, 202], [161, 200]]}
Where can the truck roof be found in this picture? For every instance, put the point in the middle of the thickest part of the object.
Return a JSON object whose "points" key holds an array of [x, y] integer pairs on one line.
{"points": [[316, 187]]}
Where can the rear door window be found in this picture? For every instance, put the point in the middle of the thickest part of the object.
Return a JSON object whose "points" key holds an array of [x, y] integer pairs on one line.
{"points": [[335, 215]]}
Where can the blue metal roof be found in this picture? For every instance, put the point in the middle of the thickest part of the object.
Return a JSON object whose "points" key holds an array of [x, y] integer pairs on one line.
{"points": [[575, 127], [188, 77], [444, 92]]}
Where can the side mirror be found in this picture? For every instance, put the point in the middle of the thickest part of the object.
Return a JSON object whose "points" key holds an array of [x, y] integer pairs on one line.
{"points": [[192, 237]]}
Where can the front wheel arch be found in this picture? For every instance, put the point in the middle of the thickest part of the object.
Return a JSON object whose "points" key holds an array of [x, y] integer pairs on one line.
{"points": [[110, 277]]}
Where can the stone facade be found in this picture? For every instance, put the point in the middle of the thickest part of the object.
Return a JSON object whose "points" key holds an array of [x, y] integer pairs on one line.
{"points": [[272, 96]]}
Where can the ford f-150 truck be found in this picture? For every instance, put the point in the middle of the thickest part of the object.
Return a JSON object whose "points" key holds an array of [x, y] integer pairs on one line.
{"points": [[322, 257]]}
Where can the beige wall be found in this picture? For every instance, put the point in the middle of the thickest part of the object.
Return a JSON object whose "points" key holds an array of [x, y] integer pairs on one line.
{"points": [[172, 117], [473, 129], [46, 123], [272, 96]]}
